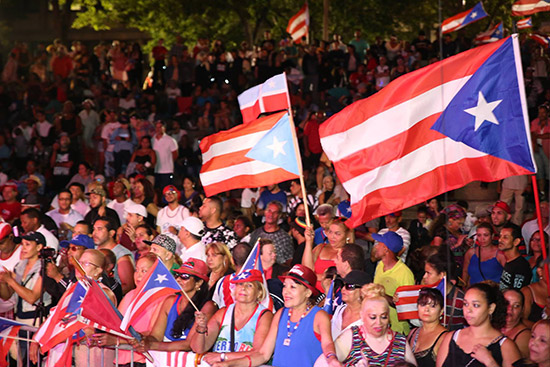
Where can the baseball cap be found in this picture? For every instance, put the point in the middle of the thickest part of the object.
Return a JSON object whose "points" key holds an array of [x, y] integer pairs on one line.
{"points": [[36, 237], [195, 267], [164, 240], [357, 277], [193, 225], [10, 183], [392, 240], [248, 275], [80, 240], [124, 182], [98, 191], [170, 188], [5, 230], [136, 208], [501, 205], [304, 276]]}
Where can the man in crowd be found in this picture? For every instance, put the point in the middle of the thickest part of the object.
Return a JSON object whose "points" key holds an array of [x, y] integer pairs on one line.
{"points": [[271, 230], [324, 213], [9, 256], [500, 215], [166, 149], [99, 207], [393, 224], [31, 222], [517, 272], [10, 208], [215, 231], [269, 194], [104, 238], [190, 234], [65, 217], [169, 218], [121, 199]]}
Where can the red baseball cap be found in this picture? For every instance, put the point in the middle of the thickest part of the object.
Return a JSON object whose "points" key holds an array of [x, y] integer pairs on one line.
{"points": [[5, 230], [501, 205], [303, 275]]}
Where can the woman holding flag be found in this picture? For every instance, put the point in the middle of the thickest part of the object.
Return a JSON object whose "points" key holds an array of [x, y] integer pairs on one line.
{"points": [[236, 330]]}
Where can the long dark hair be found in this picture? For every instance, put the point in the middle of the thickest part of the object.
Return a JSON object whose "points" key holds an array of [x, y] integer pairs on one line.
{"points": [[493, 294], [187, 317]]}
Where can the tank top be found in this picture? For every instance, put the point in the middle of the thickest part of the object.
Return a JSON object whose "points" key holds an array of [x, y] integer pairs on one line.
{"points": [[536, 310], [119, 252], [426, 357], [304, 347], [244, 337], [492, 270], [456, 357], [394, 352], [321, 265], [172, 316]]}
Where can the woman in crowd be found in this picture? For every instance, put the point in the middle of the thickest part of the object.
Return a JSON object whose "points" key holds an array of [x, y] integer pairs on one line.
{"points": [[321, 257], [515, 329], [447, 229], [144, 194], [435, 269], [539, 344], [373, 343], [26, 282], [483, 262], [144, 157], [299, 332], [189, 193], [536, 296], [247, 316], [219, 261], [348, 314], [143, 324], [536, 249], [176, 317], [327, 192], [425, 340], [481, 343], [434, 207], [144, 232]]}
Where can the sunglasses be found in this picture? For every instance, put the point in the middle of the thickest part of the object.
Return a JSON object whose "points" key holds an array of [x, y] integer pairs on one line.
{"points": [[352, 287], [182, 276]]}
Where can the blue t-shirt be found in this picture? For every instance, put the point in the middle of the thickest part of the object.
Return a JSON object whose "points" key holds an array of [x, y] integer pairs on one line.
{"points": [[266, 197]]}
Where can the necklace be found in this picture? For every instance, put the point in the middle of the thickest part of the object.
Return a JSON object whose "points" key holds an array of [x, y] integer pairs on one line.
{"points": [[286, 342], [175, 214]]}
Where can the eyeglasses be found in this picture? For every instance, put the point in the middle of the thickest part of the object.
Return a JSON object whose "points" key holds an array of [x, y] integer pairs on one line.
{"points": [[352, 287], [74, 248], [183, 276]]}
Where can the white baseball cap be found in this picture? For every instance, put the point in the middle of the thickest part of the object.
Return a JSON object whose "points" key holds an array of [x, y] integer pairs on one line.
{"points": [[136, 208], [194, 225]]}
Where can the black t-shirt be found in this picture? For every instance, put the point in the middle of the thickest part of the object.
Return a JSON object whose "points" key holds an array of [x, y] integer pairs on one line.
{"points": [[516, 274]]}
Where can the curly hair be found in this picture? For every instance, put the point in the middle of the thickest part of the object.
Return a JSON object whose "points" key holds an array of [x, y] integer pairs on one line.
{"points": [[187, 317], [373, 291], [492, 294]]}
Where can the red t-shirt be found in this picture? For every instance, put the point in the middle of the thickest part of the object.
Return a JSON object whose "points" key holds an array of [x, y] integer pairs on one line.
{"points": [[313, 139], [10, 211], [159, 52]]}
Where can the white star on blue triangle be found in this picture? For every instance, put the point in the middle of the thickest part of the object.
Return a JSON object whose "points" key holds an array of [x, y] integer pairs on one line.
{"points": [[276, 147], [161, 278]]}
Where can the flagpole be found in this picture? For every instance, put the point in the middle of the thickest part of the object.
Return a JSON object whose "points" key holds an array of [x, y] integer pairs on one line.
{"points": [[541, 229]]}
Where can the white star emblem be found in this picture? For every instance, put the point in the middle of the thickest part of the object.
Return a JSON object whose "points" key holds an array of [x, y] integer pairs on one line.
{"points": [[483, 111], [473, 15], [161, 278], [81, 299], [277, 147], [242, 276], [348, 210], [271, 84]]}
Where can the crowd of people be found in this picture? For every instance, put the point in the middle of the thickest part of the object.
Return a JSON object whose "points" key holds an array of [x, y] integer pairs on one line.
{"points": [[100, 163]]}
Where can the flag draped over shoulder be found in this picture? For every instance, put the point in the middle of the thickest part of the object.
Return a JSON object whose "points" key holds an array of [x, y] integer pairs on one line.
{"points": [[298, 25], [526, 7], [157, 283], [251, 155], [433, 130], [461, 20], [493, 34], [8, 330], [406, 306], [270, 96]]}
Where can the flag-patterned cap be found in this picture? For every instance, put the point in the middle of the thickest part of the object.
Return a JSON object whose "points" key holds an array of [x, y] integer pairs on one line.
{"points": [[248, 275], [303, 275], [195, 267]]}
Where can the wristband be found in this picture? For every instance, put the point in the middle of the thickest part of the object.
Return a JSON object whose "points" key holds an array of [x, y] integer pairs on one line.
{"points": [[329, 355], [249, 360]]}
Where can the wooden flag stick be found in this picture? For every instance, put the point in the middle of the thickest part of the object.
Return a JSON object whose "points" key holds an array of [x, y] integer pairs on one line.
{"points": [[188, 298]]}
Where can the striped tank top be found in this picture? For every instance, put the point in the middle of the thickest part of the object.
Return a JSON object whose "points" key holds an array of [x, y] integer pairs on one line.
{"points": [[395, 352]]}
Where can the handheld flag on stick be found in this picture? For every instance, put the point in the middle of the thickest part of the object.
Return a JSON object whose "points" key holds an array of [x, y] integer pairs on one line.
{"points": [[406, 306], [493, 34], [433, 130], [461, 20], [270, 96], [298, 25]]}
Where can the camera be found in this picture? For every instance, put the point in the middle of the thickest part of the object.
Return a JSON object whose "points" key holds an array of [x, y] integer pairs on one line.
{"points": [[48, 254]]}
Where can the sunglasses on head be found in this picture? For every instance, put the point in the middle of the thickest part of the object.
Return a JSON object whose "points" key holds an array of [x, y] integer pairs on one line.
{"points": [[182, 276], [352, 287]]}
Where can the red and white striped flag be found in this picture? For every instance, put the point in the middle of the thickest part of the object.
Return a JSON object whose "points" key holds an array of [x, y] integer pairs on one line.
{"points": [[493, 34], [270, 96], [527, 7], [257, 154], [524, 23], [544, 41], [406, 306], [298, 25], [433, 130]]}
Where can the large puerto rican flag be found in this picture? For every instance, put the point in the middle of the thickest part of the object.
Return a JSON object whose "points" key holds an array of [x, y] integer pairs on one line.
{"points": [[271, 96], [526, 7], [298, 25], [433, 130], [461, 20], [258, 154]]}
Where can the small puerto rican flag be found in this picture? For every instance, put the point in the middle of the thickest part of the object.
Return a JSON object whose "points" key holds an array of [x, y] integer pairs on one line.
{"points": [[406, 306], [544, 41], [461, 20], [524, 23], [493, 34]]}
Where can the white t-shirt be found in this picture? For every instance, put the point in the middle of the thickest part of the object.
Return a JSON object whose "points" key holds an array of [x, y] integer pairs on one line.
{"points": [[164, 148], [120, 208], [106, 133], [70, 218], [167, 218], [51, 240], [247, 196], [43, 128], [197, 251]]}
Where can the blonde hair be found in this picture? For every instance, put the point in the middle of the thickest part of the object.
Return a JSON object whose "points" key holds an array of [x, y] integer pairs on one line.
{"points": [[221, 248], [350, 233], [374, 292]]}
